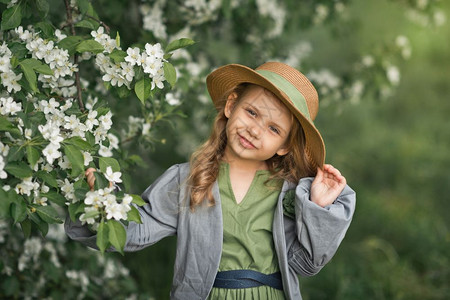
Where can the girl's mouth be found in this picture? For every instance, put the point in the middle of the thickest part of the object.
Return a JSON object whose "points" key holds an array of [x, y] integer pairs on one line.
{"points": [[246, 143]]}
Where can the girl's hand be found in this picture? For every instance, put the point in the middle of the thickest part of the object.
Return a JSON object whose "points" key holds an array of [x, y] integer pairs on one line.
{"points": [[327, 185], [90, 177]]}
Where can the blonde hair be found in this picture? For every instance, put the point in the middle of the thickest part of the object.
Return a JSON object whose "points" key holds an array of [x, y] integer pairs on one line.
{"points": [[205, 161]]}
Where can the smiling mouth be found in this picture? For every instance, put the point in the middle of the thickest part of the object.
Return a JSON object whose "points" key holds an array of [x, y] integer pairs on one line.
{"points": [[246, 143]]}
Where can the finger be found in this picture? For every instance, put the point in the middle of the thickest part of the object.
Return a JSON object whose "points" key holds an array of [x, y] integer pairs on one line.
{"points": [[319, 175], [332, 171], [90, 171]]}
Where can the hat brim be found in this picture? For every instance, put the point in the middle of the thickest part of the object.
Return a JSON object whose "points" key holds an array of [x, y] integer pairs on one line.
{"points": [[227, 77]]}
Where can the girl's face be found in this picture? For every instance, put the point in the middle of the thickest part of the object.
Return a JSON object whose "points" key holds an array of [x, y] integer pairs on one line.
{"points": [[258, 125]]}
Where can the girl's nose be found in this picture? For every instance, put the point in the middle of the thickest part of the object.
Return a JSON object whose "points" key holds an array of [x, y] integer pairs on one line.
{"points": [[255, 130]]}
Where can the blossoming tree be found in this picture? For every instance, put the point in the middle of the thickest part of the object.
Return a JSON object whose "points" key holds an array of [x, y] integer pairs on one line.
{"points": [[64, 78]]}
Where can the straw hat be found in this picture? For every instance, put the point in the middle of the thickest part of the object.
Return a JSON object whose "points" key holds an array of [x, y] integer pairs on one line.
{"points": [[288, 84]]}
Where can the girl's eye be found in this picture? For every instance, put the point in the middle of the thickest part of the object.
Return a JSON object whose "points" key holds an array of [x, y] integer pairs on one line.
{"points": [[274, 129], [251, 112]]}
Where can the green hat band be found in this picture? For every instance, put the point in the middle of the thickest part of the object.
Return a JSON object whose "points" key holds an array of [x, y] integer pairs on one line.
{"points": [[284, 85]]}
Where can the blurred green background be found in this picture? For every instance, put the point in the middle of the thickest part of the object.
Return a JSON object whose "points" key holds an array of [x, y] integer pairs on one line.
{"points": [[391, 141], [394, 153]]}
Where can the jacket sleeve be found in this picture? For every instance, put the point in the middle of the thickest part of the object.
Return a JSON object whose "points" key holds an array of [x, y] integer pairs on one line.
{"points": [[319, 230], [159, 215]]}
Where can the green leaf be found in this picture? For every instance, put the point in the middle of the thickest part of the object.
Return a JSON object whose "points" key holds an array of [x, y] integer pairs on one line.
{"points": [[16, 153], [32, 155], [100, 181], [11, 17], [91, 12], [36, 65], [76, 159], [19, 169], [19, 51], [123, 91], [105, 162], [46, 28], [133, 215], [137, 200], [170, 73], [70, 43], [6, 125], [48, 178], [31, 62], [73, 210], [80, 208], [118, 39], [89, 46], [42, 6], [85, 24], [55, 197], [48, 214], [83, 5], [91, 214], [41, 225], [80, 193], [18, 210], [11, 286], [26, 227], [44, 69], [90, 138], [79, 142], [118, 55], [5, 203], [102, 237], [143, 88], [30, 74], [117, 235], [177, 44]]}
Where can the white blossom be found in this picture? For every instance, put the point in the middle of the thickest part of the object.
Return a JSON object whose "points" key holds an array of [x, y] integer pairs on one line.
{"points": [[155, 50], [9, 107], [158, 80], [26, 186], [91, 120], [368, 61], [393, 74], [89, 220], [67, 188], [153, 20], [172, 100], [94, 199], [134, 56], [87, 157], [105, 151], [40, 200], [116, 211], [105, 121], [10, 81], [113, 176], [51, 152], [59, 35], [146, 129], [64, 163], [3, 174], [113, 141], [152, 65]]}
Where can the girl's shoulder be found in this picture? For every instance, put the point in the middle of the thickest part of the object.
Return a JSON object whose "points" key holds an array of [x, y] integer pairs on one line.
{"points": [[178, 171]]}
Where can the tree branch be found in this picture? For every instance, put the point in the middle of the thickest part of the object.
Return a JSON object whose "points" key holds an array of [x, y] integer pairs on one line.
{"points": [[75, 56]]}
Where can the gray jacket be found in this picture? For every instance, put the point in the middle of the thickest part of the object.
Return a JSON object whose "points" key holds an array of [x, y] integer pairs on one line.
{"points": [[303, 245]]}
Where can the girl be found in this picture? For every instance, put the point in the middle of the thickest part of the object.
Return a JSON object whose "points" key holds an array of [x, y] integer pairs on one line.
{"points": [[248, 214]]}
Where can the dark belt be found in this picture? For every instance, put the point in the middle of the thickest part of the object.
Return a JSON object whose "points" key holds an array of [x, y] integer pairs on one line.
{"points": [[241, 279]]}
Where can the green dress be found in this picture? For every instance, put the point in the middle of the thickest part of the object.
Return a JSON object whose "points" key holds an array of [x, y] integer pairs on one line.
{"points": [[247, 234]]}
